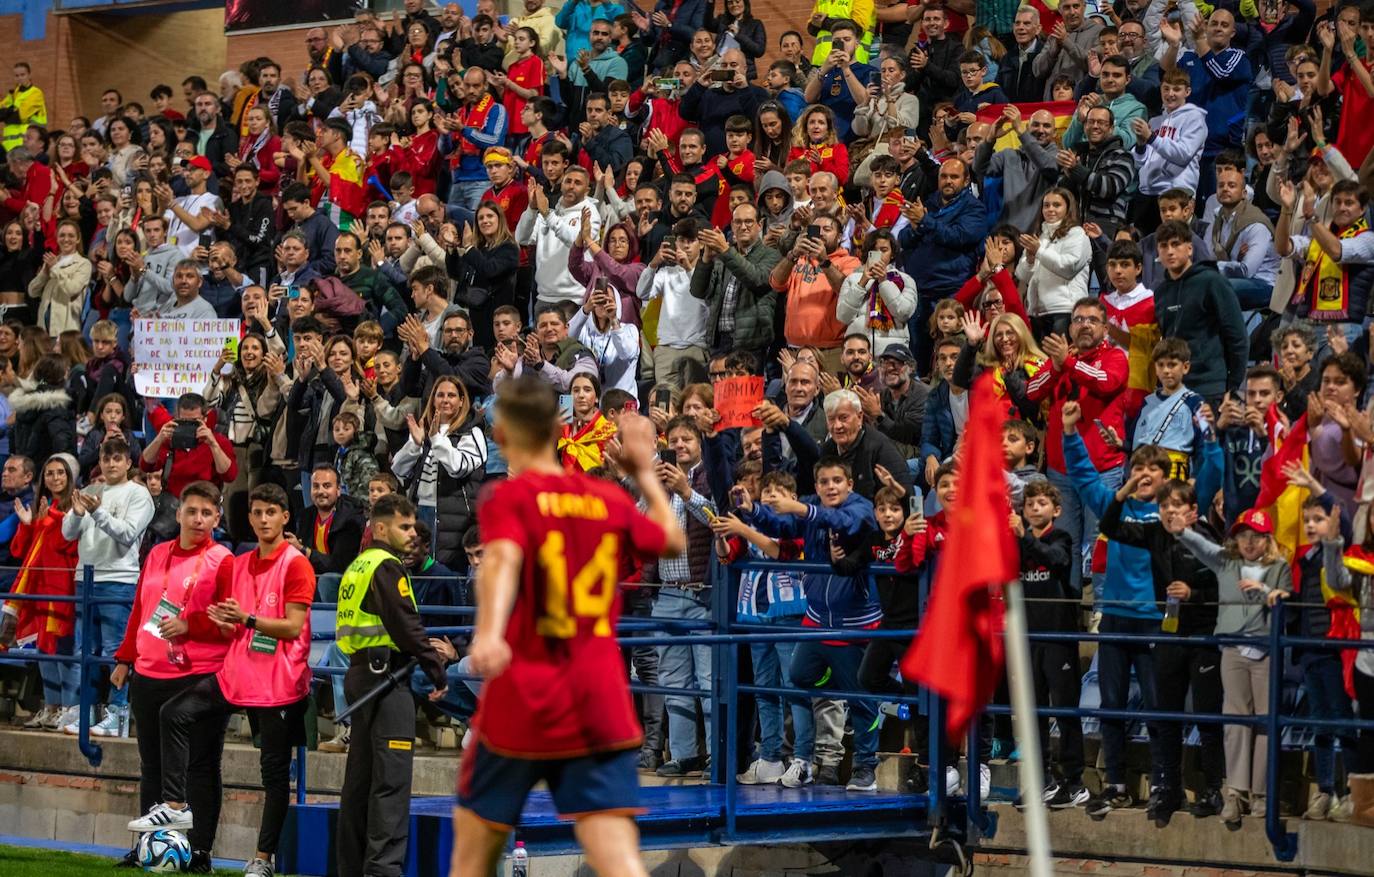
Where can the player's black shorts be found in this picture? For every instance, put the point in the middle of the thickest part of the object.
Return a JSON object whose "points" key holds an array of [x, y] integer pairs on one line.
{"points": [[495, 786]]}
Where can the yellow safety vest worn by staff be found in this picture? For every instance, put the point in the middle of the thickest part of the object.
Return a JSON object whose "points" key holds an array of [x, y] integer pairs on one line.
{"points": [[355, 627], [32, 110], [861, 12]]}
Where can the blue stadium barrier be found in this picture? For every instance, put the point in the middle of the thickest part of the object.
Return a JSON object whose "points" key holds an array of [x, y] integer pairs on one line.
{"points": [[723, 632]]}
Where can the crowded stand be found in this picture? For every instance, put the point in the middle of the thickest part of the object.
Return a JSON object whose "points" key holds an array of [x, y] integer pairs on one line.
{"points": [[1147, 221]]}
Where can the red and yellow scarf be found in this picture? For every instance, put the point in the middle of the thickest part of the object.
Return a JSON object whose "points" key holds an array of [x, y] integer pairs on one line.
{"points": [[585, 449], [1325, 286]]}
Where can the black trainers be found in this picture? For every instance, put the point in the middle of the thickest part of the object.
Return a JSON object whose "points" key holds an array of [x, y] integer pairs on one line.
{"points": [[828, 775], [1164, 803], [917, 779], [130, 859], [862, 779], [1068, 795], [650, 760], [1207, 804], [200, 863], [1111, 798], [681, 767]]}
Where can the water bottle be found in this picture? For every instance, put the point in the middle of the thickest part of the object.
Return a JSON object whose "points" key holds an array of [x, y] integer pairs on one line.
{"points": [[176, 653], [1170, 622], [519, 861], [898, 710]]}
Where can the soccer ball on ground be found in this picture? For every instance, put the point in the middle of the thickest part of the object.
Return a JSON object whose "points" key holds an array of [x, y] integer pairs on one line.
{"points": [[164, 850]]}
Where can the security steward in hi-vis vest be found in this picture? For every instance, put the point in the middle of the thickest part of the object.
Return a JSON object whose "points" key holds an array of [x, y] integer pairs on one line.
{"points": [[379, 628]]}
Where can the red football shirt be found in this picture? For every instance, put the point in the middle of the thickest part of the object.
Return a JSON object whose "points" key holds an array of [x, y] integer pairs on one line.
{"points": [[565, 693]]}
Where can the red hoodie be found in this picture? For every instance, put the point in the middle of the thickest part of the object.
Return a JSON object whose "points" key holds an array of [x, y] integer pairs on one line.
{"points": [[1095, 379], [923, 546]]}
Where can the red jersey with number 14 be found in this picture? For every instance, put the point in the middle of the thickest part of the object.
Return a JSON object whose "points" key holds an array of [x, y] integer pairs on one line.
{"points": [[565, 693]]}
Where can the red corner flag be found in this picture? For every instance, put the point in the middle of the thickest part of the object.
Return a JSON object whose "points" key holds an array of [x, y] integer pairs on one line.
{"points": [[958, 651]]}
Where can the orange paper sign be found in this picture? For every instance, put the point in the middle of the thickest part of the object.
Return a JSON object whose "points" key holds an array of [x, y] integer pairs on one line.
{"points": [[736, 399]]}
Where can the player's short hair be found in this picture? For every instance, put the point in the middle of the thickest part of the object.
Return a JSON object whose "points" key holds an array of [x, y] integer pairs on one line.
{"points": [[393, 505], [272, 494], [527, 410], [202, 489]]}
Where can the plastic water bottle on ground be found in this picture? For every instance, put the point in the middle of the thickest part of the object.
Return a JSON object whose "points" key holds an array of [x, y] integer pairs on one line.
{"points": [[519, 861]]}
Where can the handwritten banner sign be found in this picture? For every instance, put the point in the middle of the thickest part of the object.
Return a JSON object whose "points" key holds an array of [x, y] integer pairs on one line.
{"points": [[736, 399], [172, 357]]}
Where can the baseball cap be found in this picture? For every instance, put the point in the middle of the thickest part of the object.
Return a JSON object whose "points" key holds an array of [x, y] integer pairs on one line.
{"points": [[200, 162], [1255, 519], [899, 352]]}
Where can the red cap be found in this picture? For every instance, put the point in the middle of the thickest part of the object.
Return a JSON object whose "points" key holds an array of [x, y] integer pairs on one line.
{"points": [[1255, 519], [202, 163]]}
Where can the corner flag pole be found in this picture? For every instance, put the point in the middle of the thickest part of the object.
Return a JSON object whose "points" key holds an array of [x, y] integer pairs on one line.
{"points": [[1027, 729]]}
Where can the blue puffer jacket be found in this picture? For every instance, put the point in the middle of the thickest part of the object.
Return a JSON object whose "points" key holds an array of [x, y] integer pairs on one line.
{"points": [[832, 601], [943, 250]]}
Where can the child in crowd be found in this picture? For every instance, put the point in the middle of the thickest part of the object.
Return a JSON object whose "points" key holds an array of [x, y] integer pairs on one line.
{"points": [[367, 340], [737, 165], [1052, 605], [900, 599], [1326, 609], [1188, 589], [1020, 441], [775, 597], [355, 464], [1169, 418], [946, 325], [1245, 431], [836, 515], [919, 550], [403, 204], [1251, 577], [885, 207], [798, 173], [1131, 322]]}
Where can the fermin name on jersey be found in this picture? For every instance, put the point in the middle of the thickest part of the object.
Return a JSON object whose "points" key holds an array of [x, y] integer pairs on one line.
{"points": [[572, 505]]}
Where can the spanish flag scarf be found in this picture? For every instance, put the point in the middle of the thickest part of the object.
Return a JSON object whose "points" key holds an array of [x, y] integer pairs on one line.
{"points": [[1325, 286], [585, 448]]}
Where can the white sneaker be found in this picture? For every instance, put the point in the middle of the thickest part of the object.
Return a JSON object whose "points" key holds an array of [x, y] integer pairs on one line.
{"points": [[339, 743], [467, 739], [984, 782], [40, 718], [73, 728], [761, 773], [115, 723], [952, 783], [798, 774], [162, 816], [67, 716]]}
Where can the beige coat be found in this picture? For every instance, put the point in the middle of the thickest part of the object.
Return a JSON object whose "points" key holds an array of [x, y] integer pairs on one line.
{"points": [[61, 292]]}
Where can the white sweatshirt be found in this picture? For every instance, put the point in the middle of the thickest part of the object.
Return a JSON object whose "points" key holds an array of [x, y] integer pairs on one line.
{"points": [[109, 537]]}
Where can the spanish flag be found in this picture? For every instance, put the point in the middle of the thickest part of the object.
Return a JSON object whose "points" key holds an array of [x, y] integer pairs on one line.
{"points": [[1282, 499], [1062, 110], [346, 197], [1345, 610]]}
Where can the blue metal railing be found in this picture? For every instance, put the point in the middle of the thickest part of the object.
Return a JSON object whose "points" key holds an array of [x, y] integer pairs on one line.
{"points": [[723, 632]]}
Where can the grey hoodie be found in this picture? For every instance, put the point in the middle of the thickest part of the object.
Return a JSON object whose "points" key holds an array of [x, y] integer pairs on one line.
{"points": [[774, 180], [153, 291], [1241, 613]]}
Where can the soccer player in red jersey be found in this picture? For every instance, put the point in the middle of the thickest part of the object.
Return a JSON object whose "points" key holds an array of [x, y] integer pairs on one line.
{"points": [[556, 705]]}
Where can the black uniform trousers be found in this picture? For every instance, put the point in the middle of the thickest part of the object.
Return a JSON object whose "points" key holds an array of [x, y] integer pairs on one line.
{"points": [[374, 804]]}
